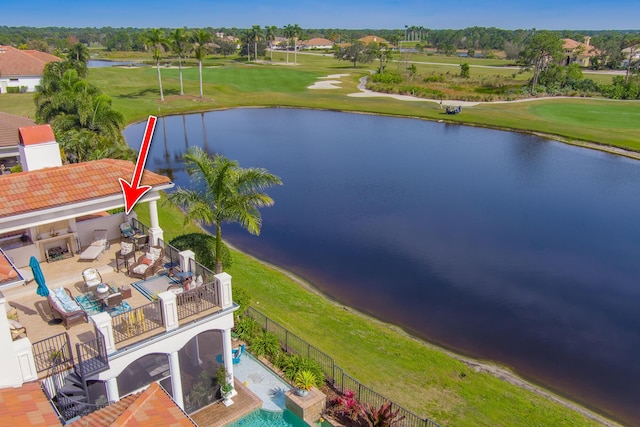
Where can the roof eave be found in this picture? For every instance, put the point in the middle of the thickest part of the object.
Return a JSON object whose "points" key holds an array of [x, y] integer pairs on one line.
{"points": [[74, 210]]}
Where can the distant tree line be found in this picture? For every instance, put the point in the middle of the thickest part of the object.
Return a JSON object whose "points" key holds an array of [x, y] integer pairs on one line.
{"points": [[483, 40]]}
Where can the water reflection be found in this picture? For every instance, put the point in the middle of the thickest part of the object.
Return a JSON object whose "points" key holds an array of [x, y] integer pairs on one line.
{"points": [[500, 245]]}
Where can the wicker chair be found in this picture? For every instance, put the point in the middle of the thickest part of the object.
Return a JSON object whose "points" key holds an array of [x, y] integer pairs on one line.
{"points": [[152, 266]]}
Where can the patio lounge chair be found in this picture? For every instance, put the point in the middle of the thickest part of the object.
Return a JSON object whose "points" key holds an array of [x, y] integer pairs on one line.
{"points": [[92, 279], [98, 246], [148, 264], [63, 304], [128, 231], [236, 353]]}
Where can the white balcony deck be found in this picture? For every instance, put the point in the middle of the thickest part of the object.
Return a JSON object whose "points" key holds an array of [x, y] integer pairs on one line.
{"points": [[35, 314]]}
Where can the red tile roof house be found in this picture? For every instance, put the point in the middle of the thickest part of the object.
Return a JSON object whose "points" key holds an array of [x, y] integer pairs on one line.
{"points": [[10, 139], [22, 69], [316, 43], [578, 52], [170, 338]]}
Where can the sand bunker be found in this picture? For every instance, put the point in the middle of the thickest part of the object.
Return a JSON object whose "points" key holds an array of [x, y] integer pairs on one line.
{"points": [[328, 84]]}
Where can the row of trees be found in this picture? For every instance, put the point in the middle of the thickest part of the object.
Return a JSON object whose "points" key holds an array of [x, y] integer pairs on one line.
{"points": [[476, 38]]}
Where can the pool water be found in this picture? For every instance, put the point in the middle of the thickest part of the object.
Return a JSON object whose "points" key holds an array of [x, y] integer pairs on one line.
{"points": [[262, 418]]}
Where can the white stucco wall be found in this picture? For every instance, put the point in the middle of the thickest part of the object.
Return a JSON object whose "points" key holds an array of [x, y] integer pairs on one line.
{"points": [[31, 82]]}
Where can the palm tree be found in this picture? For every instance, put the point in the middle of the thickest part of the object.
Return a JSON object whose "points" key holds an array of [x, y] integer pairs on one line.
{"points": [[223, 192], [296, 32], [78, 57], [156, 40], [180, 45], [256, 36], [288, 34], [201, 39], [270, 35]]}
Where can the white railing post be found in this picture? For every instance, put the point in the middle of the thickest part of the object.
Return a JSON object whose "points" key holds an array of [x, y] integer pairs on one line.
{"points": [[169, 308], [102, 321], [185, 259], [223, 285]]}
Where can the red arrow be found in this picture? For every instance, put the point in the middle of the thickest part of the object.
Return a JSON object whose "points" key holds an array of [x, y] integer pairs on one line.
{"points": [[133, 192]]}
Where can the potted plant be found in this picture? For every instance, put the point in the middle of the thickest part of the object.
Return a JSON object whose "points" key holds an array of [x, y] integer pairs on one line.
{"points": [[303, 381], [225, 390]]}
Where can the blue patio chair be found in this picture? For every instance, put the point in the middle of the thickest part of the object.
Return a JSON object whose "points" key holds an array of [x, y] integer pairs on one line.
{"points": [[236, 353], [127, 230]]}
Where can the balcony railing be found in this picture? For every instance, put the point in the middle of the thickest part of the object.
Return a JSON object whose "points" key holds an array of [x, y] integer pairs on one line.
{"points": [[198, 300], [137, 321], [57, 347]]}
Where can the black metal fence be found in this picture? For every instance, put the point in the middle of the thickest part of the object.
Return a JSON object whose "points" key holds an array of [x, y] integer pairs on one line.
{"points": [[340, 380], [57, 347]]}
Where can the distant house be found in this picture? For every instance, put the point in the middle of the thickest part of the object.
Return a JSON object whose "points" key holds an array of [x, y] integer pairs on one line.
{"points": [[316, 43], [22, 69], [10, 139], [578, 52], [372, 39], [630, 53]]}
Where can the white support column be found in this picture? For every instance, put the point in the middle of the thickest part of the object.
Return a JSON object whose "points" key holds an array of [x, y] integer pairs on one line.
{"points": [[113, 394], [228, 358], [169, 303], [26, 361], [223, 285], [155, 232], [185, 259], [176, 379], [103, 324]]}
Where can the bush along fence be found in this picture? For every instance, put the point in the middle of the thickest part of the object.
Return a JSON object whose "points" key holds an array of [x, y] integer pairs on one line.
{"points": [[334, 374]]}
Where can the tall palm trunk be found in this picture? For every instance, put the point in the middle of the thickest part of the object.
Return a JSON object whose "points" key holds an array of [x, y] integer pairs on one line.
{"points": [[200, 69], [218, 250], [160, 80], [255, 50], [180, 71]]}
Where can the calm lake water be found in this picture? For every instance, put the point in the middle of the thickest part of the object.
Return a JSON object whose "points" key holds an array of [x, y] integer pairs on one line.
{"points": [[99, 63], [498, 245]]}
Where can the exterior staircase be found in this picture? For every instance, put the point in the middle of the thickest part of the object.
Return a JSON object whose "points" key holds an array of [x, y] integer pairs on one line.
{"points": [[71, 392]]}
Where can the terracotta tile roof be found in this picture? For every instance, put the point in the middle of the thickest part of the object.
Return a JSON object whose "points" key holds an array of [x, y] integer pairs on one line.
{"points": [[26, 406], [15, 62], [371, 39], [151, 407], [9, 125], [570, 44], [62, 185], [32, 135], [318, 41]]}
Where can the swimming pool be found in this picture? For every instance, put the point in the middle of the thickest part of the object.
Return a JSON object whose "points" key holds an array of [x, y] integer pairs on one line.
{"points": [[262, 382], [263, 418], [270, 389]]}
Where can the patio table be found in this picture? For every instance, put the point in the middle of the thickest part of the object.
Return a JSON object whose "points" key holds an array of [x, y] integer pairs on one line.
{"points": [[100, 296], [125, 258]]}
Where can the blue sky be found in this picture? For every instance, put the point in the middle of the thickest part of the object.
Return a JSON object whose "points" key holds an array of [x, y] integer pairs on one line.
{"points": [[388, 14]]}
